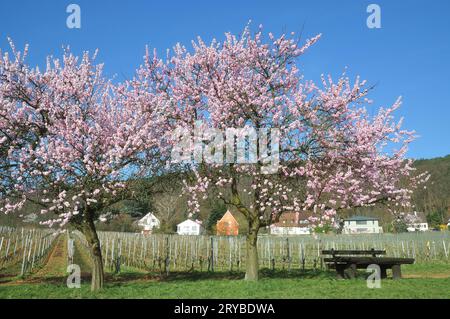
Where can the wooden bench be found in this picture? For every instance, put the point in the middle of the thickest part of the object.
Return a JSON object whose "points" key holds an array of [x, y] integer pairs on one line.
{"points": [[346, 262]]}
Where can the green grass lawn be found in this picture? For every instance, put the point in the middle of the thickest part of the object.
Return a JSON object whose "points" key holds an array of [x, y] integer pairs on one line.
{"points": [[421, 281]]}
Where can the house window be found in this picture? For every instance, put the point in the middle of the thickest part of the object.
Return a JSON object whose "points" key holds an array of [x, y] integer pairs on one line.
{"points": [[361, 222]]}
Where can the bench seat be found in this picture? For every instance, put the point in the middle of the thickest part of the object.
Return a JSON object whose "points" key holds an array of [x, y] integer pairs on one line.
{"points": [[365, 261], [346, 265]]}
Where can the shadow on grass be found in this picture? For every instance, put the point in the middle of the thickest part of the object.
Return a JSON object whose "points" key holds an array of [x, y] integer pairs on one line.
{"points": [[33, 279], [222, 275], [125, 277]]}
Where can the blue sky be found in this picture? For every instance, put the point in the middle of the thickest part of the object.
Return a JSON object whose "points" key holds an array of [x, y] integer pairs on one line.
{"points": [[408, 56]]}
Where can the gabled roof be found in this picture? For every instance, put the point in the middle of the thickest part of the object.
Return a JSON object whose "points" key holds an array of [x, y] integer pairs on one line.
{"points": [[146, 217], [292, 219], [361, 218], [228, 217], [415, 217]]}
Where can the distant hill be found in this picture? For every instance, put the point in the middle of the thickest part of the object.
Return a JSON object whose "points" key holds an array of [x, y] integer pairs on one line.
{"points": [[434, 200]]}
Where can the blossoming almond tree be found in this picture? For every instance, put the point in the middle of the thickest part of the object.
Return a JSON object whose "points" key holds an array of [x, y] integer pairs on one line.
{"points": [[22, 120], [329, 153], [70, 139]]}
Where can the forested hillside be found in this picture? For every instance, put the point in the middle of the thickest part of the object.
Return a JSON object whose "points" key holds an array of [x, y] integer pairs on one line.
{"points": [[434, 199]]}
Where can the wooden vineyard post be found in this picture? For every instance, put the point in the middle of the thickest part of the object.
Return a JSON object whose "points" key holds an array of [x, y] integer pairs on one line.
{"points": [[1, 245], [106, 253], [119, 256], [126, 250], [289, 257], [194, 250], [158, 256], [211, 255], [445, 249], [186, 255], [34, 254], [153, 253], [15, 246], [134, 250], [145, 253], [434, 249], [407, 248], [200, 253], [239, 255], [113, 263], [39, 247], [29, 250], [266, 252], [22, 272], [141, 258], [70, 249], [7, 248], [318, 254], [299, 255], [22, 241], [230, 262], [167, 260], [403, 249], [175, 248]]}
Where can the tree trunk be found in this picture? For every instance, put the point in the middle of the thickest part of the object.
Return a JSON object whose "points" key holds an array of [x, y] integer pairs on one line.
{"points": [[252, 265], [96, 254]]}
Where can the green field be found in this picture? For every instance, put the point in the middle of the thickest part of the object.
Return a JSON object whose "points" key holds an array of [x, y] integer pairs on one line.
{"points": [[428, 278], [421, 281]]}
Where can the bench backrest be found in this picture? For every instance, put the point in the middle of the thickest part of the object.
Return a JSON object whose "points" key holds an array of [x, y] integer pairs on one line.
{"points": [[372, 252]]}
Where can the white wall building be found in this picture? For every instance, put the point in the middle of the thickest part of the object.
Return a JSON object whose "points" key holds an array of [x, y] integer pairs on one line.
{"points": [[416, 222], [291, 224], [361, 225], [190, 227], [148, 223], [417, 227], [277, 230]]}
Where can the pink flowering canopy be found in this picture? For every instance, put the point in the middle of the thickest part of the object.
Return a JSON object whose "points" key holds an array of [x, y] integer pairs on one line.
{"points": [[332, 154], [71, 137]]}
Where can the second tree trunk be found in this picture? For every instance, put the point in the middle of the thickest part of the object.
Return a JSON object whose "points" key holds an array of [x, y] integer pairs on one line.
{"points": [[96, 255], [252, 264]]}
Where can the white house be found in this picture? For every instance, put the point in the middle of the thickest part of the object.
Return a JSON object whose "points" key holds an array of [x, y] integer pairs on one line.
{"points": [[361, 225], [417, 227], [415, 222], [291, 224], [148, 223], [190, 227]]}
